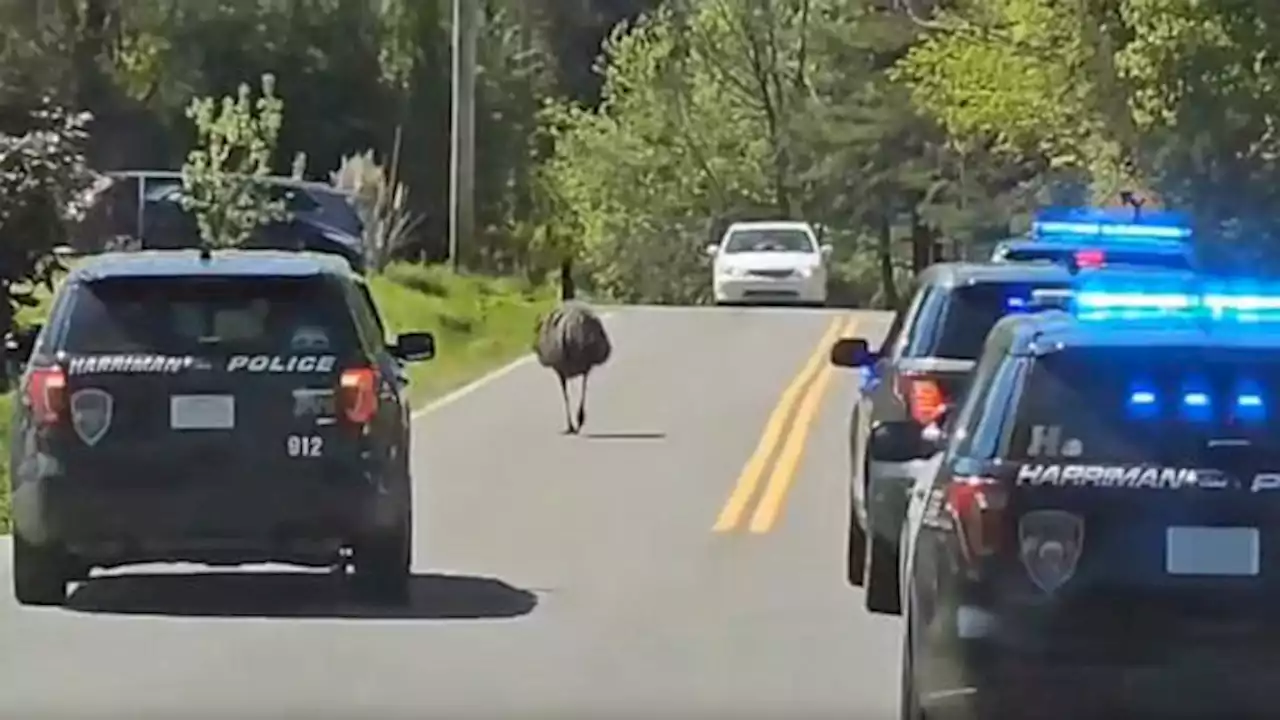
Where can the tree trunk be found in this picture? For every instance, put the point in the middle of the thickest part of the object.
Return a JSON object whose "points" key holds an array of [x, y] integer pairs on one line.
{"points": [[884, 251]]}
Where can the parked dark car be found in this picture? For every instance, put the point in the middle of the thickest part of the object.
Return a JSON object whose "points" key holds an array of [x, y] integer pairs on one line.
{"points": [[145, 208]]}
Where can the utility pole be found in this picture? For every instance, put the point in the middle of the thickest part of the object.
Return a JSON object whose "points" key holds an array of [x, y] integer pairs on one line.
{"points": [[462, 153]]}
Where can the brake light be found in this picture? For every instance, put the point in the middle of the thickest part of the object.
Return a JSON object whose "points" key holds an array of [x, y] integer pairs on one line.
{"points": [[1090, 258], [978, 506], [358, 394], [47, 394], [923, 396]]}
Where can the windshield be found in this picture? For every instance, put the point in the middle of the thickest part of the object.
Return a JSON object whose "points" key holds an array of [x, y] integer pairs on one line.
{"points": [[771, 240], [193, 316], [1177, 407], [955, 324]]}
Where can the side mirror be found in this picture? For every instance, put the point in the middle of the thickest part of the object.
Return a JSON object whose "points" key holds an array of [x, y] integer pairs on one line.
{"points": [[712, 250], [414, 347], [898, 442], [851, 353], [827, 249]]}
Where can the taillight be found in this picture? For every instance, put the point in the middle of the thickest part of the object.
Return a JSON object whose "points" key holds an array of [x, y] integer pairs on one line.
{"points": [[47, 394], [923, 396], [358, 394], [1090, 258], [978, 506]]}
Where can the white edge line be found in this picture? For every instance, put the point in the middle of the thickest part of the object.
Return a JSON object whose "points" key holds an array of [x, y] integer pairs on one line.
{"points": [[480, 382]]}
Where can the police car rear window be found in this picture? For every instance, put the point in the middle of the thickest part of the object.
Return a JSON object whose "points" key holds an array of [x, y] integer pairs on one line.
{"points": [[208, 315], [1174, 407], [957, 323]]}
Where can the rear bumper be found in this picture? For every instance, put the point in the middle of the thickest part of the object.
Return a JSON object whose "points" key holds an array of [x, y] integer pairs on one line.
{"points": [[765, 290], [296, 517], [1109, 666], [1232, 686]]}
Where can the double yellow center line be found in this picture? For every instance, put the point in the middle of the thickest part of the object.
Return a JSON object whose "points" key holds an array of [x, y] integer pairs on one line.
{"points": [[806, 392]]}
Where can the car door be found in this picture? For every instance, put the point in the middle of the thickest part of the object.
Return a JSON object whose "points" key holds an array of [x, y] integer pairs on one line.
{"points": [[876, 395]]}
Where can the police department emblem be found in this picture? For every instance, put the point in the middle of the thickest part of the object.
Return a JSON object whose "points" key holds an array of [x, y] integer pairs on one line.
{"points": [[91, 411], [1050, 543]]}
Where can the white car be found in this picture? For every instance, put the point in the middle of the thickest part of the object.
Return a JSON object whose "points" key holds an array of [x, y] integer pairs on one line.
{"points": [[779, 261]]}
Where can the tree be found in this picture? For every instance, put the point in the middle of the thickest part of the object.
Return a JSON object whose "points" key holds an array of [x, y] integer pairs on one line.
{"points": [[44, 187], [223, 177]]}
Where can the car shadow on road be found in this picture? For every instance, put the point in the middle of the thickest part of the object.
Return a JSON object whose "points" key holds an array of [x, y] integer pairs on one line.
{"points": [[296, 595]]}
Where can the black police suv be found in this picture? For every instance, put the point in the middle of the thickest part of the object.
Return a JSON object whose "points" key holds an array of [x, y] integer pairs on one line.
{"points": [[223, 408], [922, 366], [1102, 538]]}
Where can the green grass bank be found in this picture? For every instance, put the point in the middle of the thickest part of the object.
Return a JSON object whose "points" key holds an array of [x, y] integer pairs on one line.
{"points": [[480, 324]]}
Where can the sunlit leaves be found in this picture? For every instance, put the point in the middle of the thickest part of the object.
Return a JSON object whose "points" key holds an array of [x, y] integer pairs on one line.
{"points": [[222, 178]]}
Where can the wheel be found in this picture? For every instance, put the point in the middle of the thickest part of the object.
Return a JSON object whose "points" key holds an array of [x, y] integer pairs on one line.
{"points": [[882, 577], [381, 565], [40, 575], [857, 553]]}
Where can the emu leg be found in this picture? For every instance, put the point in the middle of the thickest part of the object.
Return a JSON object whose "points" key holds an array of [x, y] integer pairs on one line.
{"points": [[582, 401], [568, 419]]}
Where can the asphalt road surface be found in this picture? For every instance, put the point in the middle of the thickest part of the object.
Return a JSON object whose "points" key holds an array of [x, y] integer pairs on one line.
{"points": [[660, 565]]}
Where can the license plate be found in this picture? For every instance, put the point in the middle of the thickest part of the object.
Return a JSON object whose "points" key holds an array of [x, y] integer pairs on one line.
{"points": [[1221, 551], [202, 412]]}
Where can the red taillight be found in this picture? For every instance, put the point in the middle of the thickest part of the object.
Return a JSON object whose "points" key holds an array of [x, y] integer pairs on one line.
{"points": [[923, 396], [358, 394], [47, 394], [1090, 258], [978, 505]]}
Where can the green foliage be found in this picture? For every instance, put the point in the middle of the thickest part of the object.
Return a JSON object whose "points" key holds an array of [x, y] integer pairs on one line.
{"points": [[221, 179], [44, 185]]}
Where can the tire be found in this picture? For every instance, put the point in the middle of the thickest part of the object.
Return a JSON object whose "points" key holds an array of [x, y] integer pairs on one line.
{"points": [[881, 583], [382, 565], [40, 575]]}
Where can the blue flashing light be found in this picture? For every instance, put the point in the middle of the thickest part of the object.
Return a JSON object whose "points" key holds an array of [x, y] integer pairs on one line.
{"points": [[1249, 406], [1195, 399], [1131, 231], [1099, 302], [1197, 405], [1143, 402]]}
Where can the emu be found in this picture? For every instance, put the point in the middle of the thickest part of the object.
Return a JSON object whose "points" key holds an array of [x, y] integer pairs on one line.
{"points": [[572, 341]]}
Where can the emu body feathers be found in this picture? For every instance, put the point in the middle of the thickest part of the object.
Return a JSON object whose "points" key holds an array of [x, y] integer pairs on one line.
{"points": [[572, 341]]}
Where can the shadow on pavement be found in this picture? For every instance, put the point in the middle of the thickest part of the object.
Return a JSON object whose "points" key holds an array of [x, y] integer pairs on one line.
{"points": [[625, 435], [296, 595]]}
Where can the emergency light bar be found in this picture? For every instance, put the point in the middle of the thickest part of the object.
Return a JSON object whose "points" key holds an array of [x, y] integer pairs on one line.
{"points": [[1126, 304], [1130, 231], [1110, 223]]}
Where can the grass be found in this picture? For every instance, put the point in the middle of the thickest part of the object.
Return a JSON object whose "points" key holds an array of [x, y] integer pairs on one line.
{"points": [[480, 323]]}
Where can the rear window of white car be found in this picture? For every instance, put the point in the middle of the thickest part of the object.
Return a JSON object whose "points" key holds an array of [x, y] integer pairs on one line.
{"points": [[769, 240]]}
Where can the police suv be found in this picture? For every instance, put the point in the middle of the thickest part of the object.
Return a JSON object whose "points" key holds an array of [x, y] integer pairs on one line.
{"points": [[1102, 537], [223, 408]]}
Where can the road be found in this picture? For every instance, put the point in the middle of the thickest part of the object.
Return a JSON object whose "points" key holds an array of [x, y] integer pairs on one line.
{"points": [[649, 568]]}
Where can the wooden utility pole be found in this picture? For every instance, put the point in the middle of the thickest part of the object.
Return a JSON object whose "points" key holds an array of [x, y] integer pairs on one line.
{"points": [[462, 155]]}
